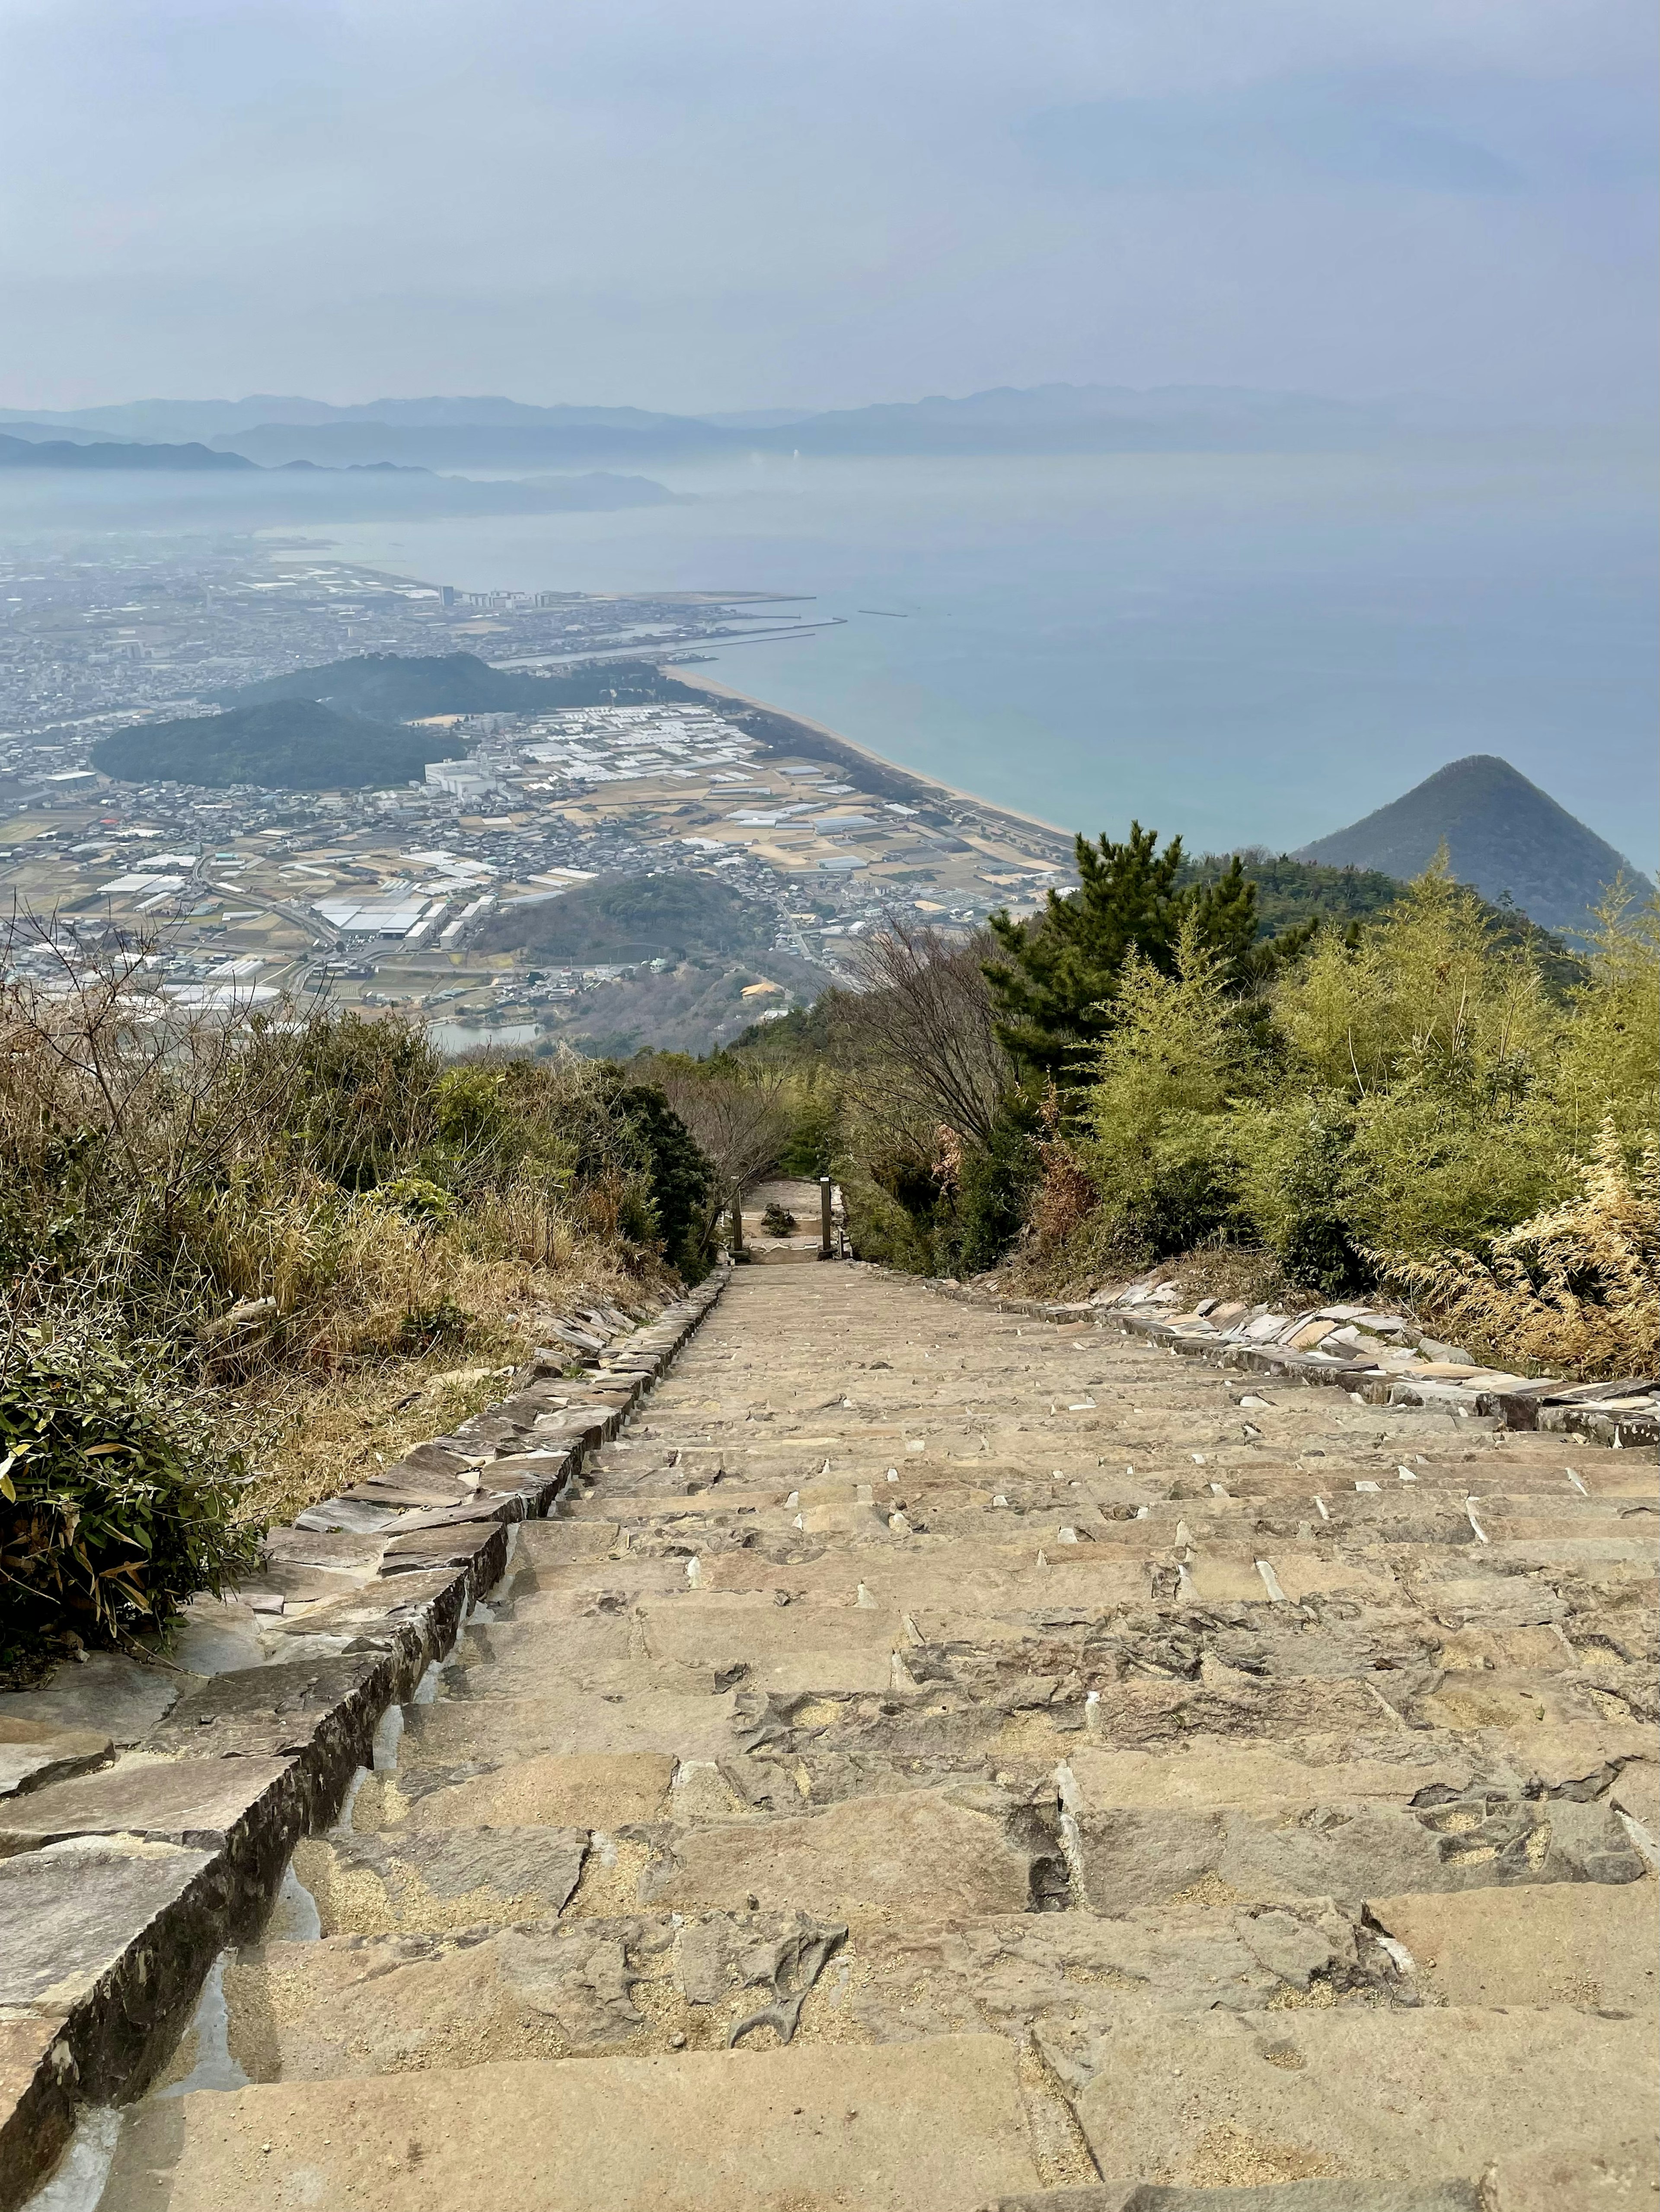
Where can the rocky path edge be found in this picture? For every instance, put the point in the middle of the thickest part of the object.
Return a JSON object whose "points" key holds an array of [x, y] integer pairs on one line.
{"points": [[1624, 1415], [121, 1884]]}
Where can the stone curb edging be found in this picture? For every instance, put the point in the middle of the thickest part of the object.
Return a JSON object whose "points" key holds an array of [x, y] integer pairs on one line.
{"points": [[119, 1887], [1565, 1408]]}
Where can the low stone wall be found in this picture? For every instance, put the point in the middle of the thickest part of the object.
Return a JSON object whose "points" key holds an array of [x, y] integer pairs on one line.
{"points": [[132, 1852], [1381, 1358]]}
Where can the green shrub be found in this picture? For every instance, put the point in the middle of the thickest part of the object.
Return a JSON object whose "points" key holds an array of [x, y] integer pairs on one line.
{"points": [[681, 1180], [994, 1185], [443, 1322], [1159, 1142], [117, 1501], [1293, 1189]]}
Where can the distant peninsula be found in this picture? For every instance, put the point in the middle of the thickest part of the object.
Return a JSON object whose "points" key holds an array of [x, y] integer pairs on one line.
{"points": [[62, 453]]}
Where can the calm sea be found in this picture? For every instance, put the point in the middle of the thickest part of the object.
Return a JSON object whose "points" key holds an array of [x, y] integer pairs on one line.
{"points": [[1245, 648]]}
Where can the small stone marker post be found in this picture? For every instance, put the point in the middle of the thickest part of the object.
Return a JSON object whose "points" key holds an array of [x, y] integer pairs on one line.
{"points": [[825, 1248]]}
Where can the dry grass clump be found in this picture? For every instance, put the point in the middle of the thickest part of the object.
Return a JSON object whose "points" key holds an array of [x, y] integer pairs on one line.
{"points": [[1573, 1292], [288, 1226], [311, 1432]]}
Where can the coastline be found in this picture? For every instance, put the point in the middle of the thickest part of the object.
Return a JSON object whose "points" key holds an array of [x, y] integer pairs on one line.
{"points": [[695, 678]]}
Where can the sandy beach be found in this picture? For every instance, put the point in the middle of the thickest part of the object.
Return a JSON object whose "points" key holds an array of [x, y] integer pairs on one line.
{"points": [[695, 678]]}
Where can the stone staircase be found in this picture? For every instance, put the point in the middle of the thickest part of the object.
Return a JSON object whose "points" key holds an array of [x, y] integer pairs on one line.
{"points": [[934, 1761]]}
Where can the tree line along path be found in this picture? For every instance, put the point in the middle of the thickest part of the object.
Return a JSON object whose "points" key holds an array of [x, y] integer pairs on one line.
{"points": [[940, 1759]]}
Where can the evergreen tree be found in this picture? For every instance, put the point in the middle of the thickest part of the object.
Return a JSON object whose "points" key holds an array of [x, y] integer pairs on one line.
{"points": [[1057, 974]]}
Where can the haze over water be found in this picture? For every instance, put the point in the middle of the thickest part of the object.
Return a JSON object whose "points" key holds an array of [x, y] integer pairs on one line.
{"points": [[1243, 647]]}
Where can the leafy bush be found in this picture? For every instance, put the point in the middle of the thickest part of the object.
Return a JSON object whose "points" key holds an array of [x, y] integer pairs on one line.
{"points": [[681, 1179], [994, 1184], [117, 1500], [1159, 1145], [444, 1322], [777, 1221], [1293, 1165]]}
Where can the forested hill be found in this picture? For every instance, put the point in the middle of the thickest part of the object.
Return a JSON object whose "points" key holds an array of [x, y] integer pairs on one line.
{"points": [[1290, 891], [1504, 837], [405, 688], [285, 744]]}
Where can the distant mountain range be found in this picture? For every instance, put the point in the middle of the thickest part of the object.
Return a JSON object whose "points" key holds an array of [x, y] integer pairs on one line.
{"points": [[497, 433], [27, 452], [1505, 836]]}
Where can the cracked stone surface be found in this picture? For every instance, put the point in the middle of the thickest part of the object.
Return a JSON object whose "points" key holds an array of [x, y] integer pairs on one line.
{"points": [[935, 1757]]}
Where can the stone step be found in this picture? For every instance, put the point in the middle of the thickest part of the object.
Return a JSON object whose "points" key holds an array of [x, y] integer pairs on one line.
{"points": [[659, 1982], [1273, 2097], [816, 2129], [1591, 1944], [935, 1759]]}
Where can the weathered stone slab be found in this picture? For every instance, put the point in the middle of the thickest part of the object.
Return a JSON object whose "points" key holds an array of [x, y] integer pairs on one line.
{"points": [[715, 1629], [200, 1803], [493, 1729], [1273, 2097], [1568, 1944], [814, 2130], [327, 1708], [110, 1695], [387, 1884], [102, 1944], [1213, 1775], [1576, 2177], [1134, 1857], [1452, 2196], [935, 1857], [348, 1515], [362, 2004], [33, 1753], [581, 1789]]}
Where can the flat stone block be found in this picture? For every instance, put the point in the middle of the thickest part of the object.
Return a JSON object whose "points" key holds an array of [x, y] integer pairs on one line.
{"points": [[279, 1711], [109, 1695], [584, 1789], [200, 1803], [922, 1853], [33, 1753], [102, 1944], [381, 1885], [811, 2129], [1566, 1943], [1361, 2095]]}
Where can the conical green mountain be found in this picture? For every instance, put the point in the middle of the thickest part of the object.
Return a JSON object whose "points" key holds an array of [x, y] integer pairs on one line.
{"points": [[1503, 835]]}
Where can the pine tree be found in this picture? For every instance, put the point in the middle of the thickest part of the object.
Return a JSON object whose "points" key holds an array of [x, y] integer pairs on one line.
{"points": [[1056, 975]]}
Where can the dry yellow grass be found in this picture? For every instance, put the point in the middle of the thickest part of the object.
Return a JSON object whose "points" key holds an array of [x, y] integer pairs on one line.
{"points": [[311, 1432], [1574, 1291]]}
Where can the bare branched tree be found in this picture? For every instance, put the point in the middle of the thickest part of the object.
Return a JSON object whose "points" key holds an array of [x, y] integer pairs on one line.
{"points": [[739, 1116], [923, 1027]]}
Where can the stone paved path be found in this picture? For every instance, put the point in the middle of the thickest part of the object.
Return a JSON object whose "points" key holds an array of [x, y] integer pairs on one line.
{"points": [[943, 1762]]}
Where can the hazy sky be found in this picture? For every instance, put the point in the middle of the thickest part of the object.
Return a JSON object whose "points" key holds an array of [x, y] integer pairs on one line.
{"points": [[740, 203]]}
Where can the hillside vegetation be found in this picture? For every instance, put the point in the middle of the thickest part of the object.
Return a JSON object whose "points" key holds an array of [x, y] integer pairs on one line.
{"points": [[1426, 1097], [235, 1258], [343, 726]]}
